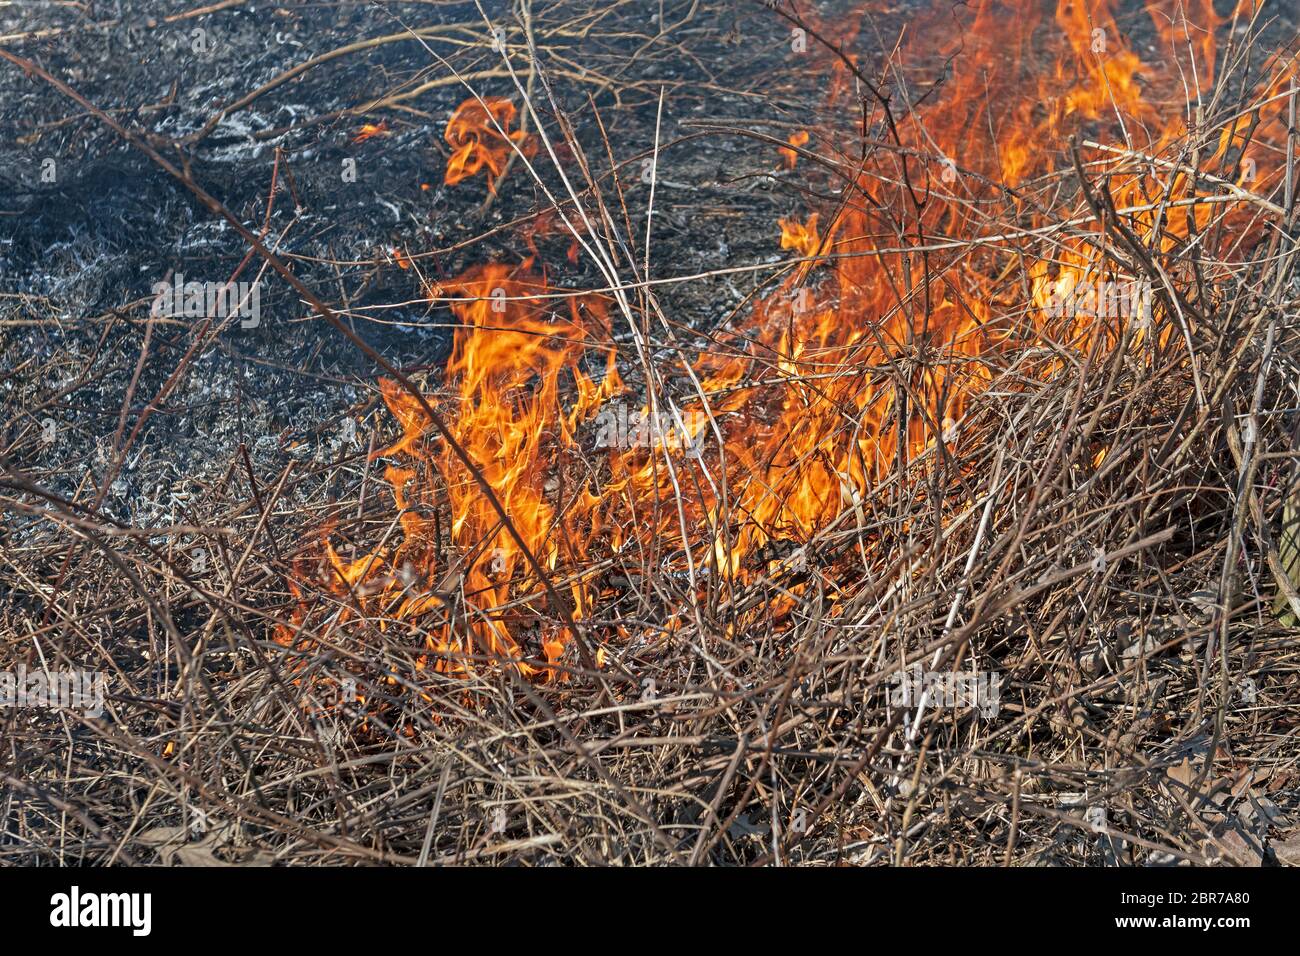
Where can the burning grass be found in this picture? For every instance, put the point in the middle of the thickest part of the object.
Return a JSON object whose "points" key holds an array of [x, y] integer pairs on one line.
{"points": [[1017, 412]]}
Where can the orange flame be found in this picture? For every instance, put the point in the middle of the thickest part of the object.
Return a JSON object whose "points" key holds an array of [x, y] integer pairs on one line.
{"points": [[481, 139], [790, 156], [801, 237], [371, 130]]}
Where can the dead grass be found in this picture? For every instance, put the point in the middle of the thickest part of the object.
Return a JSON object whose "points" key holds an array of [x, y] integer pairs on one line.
{"points": [[1135, 605]]}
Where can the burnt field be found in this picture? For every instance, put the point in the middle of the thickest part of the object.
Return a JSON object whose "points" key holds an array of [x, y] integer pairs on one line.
{"points": [[676, 432]]}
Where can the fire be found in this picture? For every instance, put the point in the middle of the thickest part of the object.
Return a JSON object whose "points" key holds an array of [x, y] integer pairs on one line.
{"points": [[481, 139], [371, 130], [803, 419], [790, 156], [801, 237]]}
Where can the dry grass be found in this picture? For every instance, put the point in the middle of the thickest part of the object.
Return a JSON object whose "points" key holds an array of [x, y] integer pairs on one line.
{"points": [[1134, 604]]}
